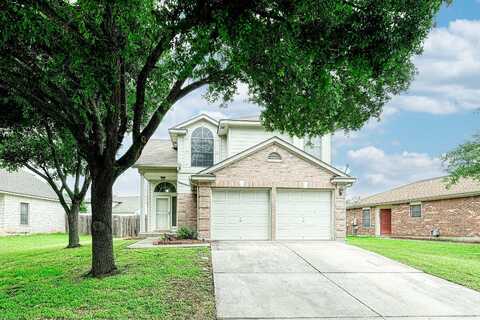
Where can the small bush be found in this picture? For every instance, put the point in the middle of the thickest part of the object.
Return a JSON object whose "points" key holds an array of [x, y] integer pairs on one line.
{"points": [[186, 233]]}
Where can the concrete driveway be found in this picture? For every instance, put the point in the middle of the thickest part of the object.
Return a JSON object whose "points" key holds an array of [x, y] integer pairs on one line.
{"points": [[326, 279]]}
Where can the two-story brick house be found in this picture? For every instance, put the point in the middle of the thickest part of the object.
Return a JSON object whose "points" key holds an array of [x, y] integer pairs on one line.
{"points": [[231, 179]]}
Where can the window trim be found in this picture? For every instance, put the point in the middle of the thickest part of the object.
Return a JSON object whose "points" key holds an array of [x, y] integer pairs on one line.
{"points": [[174, 190], [369, 218], [274, 154], [415, 204], [28, 213], [192, 138]]}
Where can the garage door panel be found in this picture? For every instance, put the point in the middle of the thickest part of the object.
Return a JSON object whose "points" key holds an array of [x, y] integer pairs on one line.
{"points": [[240, 215], [303, 214]]}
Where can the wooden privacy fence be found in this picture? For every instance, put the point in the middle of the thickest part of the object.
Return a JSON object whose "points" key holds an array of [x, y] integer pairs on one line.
{"points": [[124, 226]]}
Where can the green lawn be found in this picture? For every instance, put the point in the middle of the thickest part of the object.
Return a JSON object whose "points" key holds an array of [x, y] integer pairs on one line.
{"points": [[457, 262], [41, 280]]}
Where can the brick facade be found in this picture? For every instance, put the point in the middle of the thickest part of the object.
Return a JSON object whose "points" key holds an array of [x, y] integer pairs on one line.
{"points": [[357, 214], [456, 217], [256, 171], [187, 210]]}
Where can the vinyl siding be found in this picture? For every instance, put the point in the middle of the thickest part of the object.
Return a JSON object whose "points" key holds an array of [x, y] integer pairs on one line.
{"points": [[327, 148], [44, 215], [240, 139]]}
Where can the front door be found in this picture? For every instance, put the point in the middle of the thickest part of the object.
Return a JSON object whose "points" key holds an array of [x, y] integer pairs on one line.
{"points": [[385, 221], [162, 206]]}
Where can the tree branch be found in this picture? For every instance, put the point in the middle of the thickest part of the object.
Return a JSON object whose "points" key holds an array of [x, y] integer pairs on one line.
{"points": [[57, 162], [45, 175], [138, 108], [176, 93]]}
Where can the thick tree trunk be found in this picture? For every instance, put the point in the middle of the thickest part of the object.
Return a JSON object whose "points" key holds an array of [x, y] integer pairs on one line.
{"points": [[72, 218], [103, 262]]}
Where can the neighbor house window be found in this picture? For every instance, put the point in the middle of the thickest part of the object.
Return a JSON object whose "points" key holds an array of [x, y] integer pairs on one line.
{"points": [[313, 145], [24, 213], [366, 218], [202, 147], [415, 210]]}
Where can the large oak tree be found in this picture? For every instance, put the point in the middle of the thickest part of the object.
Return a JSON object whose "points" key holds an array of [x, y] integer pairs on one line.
{"points": [[106, 68]]}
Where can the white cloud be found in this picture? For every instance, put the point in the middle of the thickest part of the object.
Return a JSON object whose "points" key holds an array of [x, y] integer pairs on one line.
{"points": [[448, 69], [378, 171]]}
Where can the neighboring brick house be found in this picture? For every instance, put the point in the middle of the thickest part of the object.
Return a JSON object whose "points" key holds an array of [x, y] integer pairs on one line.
{"points": [[419, 209], [231, 179], [28, 205]]}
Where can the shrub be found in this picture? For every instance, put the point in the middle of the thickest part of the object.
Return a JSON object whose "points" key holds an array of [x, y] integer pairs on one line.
{"points": [[186, 233]]}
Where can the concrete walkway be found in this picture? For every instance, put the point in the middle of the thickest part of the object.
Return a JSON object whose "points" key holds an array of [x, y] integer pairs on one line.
{"points": [[147, 243], [321, 280]]}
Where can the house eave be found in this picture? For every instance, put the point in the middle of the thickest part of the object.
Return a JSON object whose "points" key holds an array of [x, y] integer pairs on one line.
{"points": [[343, 181], [202, 177], [419, 199], [153, 166], [224, 124], [25, 195]]}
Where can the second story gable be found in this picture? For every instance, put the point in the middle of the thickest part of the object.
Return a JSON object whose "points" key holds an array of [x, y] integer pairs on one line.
{"points": [[203, 141]]}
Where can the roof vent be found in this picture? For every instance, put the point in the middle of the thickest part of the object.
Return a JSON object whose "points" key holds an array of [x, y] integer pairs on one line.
{"points": [[274, 156]]}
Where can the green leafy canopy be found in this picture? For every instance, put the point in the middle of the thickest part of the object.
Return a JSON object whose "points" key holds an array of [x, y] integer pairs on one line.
{"points": [[464, 161], [103, 68]]}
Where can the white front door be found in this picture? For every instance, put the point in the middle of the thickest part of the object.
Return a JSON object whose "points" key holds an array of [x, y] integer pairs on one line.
{"points": [[303, 214], [240, 214], [162, 210]]}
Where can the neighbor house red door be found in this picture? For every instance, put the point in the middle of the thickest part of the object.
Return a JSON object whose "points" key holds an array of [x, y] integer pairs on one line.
{"points": [[385, 221]]}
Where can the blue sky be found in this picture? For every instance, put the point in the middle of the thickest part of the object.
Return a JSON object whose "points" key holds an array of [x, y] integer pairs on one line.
{"points": [[437, 113]]}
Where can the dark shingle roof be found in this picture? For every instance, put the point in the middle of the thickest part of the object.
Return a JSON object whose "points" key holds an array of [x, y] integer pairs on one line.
{"points": [[430, 189], [25, 183], [158, 153]]}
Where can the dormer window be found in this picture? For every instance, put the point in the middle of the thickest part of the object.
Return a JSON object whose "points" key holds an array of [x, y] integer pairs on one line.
{"points": [[202, 147], [275, 157], [313, 146]]}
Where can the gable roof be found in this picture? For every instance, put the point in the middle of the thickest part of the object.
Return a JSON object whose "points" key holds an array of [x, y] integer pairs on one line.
{"points": [[280, 142], [126, 205], [157, 153], [120, 205], [188, 122], [23, 183], [430, 189]]}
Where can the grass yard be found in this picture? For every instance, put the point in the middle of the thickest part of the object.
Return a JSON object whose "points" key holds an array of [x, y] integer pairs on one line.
{"points": [[39, 279], [456, 262]]}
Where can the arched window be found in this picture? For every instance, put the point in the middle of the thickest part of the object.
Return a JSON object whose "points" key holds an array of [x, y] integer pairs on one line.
{"points": [[274, 156], [202, 147], [165, 187]]}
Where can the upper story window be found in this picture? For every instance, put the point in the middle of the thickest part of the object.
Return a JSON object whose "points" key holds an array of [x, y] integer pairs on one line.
{"points": [[165, 187], [202, 147], [313, 145]]}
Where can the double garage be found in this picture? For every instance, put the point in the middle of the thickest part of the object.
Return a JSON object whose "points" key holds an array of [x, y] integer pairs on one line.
{"points": [[249, 214]]}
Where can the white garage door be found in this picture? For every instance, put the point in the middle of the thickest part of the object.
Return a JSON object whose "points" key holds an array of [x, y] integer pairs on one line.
{"points": [[240, 214], [303, 214]]}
